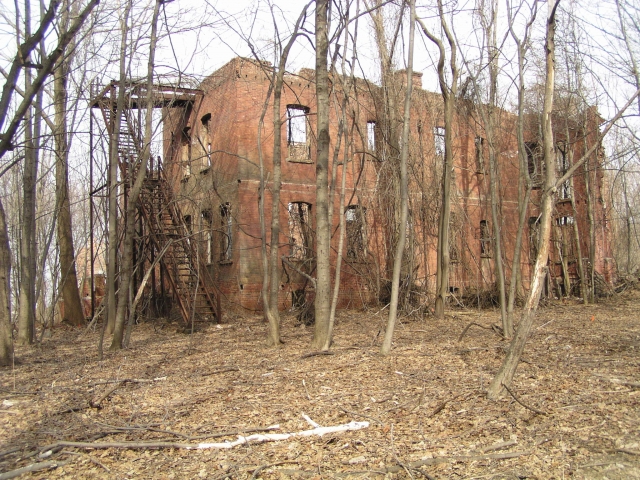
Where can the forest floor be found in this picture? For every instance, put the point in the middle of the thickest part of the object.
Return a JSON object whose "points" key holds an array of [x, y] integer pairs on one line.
{"points": [[426, 407]]}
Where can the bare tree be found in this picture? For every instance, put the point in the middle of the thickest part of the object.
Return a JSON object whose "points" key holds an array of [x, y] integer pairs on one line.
{"points": [[449, 93], [323, 227], [69, 281], [507, 369], [28, 255], [404, 194], [139, 169]]}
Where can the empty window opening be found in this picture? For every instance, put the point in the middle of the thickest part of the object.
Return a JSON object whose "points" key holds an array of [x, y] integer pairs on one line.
{"points": [[534, 235], [185, 159], [479, 144], [226, 239], [300, 230], [297, 124], [206, 141], [566, 220], [564, 192], [356, 233], [485, 239], [565, 237], [207, 235], [188, 223], [297, 138], [371, 135], [534, 163], [438, 139]]}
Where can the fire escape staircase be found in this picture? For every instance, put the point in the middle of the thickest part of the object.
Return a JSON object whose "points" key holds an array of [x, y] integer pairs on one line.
{"points": [[187, 273], [185, 269]]}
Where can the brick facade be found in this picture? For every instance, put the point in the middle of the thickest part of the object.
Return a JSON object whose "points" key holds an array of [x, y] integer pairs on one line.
{"points": [[212, 155]]}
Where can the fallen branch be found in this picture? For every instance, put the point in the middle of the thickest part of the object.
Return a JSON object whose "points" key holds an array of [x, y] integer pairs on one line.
{"points": [[535, 410], [627, 451], [492, 327], [348, 412], [315, 354], [439, 408], [242, 440], [499, 446], [96, 404], [221, 370], [35, 467], [130, 380]]}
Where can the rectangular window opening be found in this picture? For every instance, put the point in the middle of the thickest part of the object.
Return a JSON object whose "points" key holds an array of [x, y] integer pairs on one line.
{"points": [[479, 144], [454, 227], [297, 137], [301, 240], [564, 192], [438, 138], [371, 135], [226, 238], [207, 235], [206, 142], [185, 160], [534, 163], [356, 232], [534, 235], [485, 239]]}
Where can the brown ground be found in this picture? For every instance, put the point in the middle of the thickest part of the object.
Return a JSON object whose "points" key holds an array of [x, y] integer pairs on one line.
{"points": [[429, 416]]}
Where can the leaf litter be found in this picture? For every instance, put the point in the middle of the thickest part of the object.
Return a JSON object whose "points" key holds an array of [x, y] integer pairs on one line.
{"points": [[573, 411]]}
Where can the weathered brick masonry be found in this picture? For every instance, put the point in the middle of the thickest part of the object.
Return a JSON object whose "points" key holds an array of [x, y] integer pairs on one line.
{"points": [[213, 155]]}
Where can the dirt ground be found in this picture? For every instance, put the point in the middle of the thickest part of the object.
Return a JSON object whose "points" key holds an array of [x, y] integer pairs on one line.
{"points": [[425, 403]]}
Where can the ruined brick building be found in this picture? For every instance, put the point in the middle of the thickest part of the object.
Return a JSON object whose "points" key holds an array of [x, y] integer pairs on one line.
{"points": [[213, 155]]}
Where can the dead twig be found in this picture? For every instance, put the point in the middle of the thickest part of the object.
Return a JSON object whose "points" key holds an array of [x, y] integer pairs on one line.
{"points": [[96, 404], [492, 327], [315, 354], [627, 451], [439, 408], [499, 446], [535, 410], [362, 415], [259, 469], [221, 370], [35, 467]]}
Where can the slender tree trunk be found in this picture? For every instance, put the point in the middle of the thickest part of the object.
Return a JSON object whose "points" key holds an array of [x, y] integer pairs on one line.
{"points": [[116, 125], [6, 338], [510, 364], [404, 193], [28, 257], [524, 178], [69, 282], [134, 194], [323, 228], [590, 296], [449, 99], [494, 174], [347, 87]]}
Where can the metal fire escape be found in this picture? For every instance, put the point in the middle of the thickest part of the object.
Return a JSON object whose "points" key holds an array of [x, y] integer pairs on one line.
{"points": [[161, 231]]}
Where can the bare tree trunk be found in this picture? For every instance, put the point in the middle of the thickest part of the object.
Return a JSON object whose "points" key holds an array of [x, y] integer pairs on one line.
{"points": [[509, 365], [28, 257], [271, 310], [323, 228], [132, 203], [525, 180], [590, 296], [449, 98], [404, 194], [494, 174], [69, 282], [116, 125], [6, 340], [348, 83]]}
